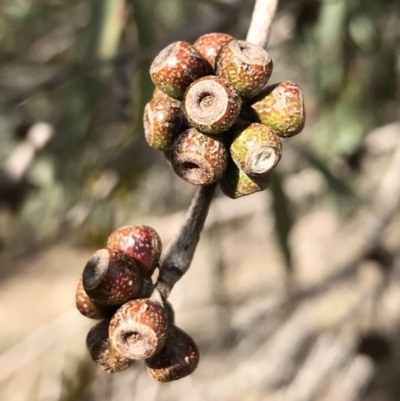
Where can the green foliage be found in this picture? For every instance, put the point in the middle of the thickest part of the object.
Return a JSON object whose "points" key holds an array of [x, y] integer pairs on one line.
{"points": [[283, 219], [351, 54]]}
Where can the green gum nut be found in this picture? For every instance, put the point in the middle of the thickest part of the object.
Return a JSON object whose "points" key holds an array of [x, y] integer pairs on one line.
{"points": [[256, 149], [246, 65], [281, 108], [235, 183]]}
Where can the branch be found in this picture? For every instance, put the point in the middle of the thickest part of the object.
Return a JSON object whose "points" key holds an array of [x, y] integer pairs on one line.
{"points": [[261, 20], [179, 254]]}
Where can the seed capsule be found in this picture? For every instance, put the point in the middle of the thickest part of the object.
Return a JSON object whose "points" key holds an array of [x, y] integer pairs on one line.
{"points": [[162, 121], [210, 44], [256, 149], [235, 183], [211, 105], [89, 308], [199, 159], [111, 277], [176, 67], [141, 243], [102, 351], [179, 357], [247, 66], [281, 108], [139, 328]]}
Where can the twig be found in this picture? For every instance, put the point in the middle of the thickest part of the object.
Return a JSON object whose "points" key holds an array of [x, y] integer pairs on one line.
{"points": [[261, 20], [179, 254]]}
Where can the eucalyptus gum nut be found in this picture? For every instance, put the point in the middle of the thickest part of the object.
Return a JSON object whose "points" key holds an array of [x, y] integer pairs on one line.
{"points": [[179, 357], [198, 158], [176, 67], [281, 108], [138, 329], [211, 104], [141, 243], [235, 183], [111, 277], [103, 352], [89, 308], [210, 44], [256, 149], [247, 66], [162, 122]]}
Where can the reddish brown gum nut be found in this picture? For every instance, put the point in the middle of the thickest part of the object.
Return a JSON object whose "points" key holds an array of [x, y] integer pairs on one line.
{"points": [[162, 121], [111, 277], [256, 149], [141, 243], [138, 329], [199, 159], [235, 183], [88, 308], [210, 44], [211, 105], [247, 66], [176, 67], [179, 357], [102, 351], [281, 108]]}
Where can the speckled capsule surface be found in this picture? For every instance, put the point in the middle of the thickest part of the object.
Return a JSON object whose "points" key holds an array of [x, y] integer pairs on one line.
{"points": [[198, 158], [235, 183], [247, 66], [89, 308], [139, 328], [281, 107], [102, 351], [162, 122], [159, 94], [256, 149], [210, 44], [179, 357], [176, 67], [211, 104], [111, 277], [141, 243]]}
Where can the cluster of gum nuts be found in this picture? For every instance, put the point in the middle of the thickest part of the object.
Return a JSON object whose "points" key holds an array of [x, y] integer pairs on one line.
{"points": [[216, 120], [136, 323], [214, 116]]}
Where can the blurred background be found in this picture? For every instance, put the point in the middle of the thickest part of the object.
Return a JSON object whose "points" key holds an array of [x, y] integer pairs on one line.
{"points": [[293, 294]]}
